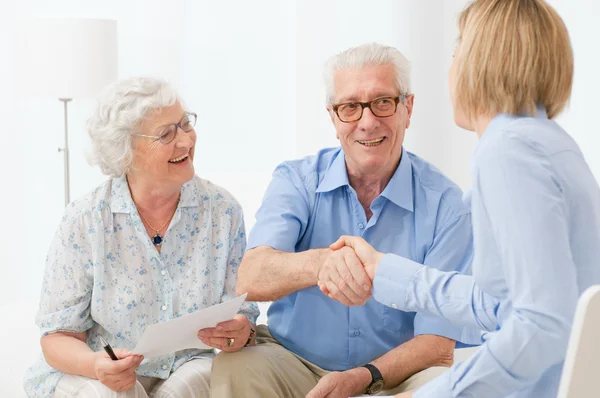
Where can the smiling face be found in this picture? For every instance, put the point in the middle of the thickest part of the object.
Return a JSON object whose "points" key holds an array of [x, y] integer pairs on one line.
{"points": [[372, 145], [170, 165]]}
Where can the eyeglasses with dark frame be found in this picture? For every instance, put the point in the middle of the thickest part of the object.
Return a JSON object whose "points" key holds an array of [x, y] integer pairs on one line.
{"points": [[349, 112], [167, 133]]}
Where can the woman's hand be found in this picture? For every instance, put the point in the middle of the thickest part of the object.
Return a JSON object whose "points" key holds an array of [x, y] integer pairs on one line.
{"points": [[369, 257], [117, 375], [228, 336]]}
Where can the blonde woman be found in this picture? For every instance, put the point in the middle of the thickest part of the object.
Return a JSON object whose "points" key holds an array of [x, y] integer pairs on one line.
{"points": [[535, 206]]}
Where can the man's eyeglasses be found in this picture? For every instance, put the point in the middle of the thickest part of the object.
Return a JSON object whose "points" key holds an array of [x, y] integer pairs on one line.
{"points": [[168, 133], [381, 107]]}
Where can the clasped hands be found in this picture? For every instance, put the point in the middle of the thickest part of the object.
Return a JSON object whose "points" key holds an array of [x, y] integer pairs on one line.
{"points": [[348, 271]]}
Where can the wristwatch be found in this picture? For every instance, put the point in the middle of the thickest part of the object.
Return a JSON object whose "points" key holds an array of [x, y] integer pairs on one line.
{"points": [[377, 382], [252, 333]]}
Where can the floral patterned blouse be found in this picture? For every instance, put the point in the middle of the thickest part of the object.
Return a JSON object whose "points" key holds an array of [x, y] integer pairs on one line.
{"points": [[104, 276]]}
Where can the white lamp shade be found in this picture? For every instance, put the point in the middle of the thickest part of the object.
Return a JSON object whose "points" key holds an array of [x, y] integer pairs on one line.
{"points": [[66, 58]]}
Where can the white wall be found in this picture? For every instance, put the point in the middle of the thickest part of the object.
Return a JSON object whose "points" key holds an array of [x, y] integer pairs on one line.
{"points": [[266, 55]]}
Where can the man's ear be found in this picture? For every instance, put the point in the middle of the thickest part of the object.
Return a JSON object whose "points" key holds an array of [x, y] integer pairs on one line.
{"points": [[331, 113], [332, 117], [410, 101]]}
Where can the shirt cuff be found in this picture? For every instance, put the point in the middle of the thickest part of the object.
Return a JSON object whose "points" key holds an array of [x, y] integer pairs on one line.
{"points": [[392, 280], [276, 241], [439, 388]]}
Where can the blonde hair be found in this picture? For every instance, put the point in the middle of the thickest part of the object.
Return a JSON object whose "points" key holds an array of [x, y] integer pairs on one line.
{"points": [[514, 55]]}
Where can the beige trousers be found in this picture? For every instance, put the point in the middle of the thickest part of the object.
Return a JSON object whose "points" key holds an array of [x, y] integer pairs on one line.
{"points": [[269, 370], [190, 380]]}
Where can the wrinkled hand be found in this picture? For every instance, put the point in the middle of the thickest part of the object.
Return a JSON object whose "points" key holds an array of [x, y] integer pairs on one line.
{"points": [[117, 375], [342, 277], [368, 256], [339, 385], [237, 329]]}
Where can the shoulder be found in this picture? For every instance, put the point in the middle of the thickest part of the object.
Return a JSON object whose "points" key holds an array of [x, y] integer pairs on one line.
{"points": [[91, 205], [523, 142], [433, 184], [218, 198], [309, 170], [308, 166]]}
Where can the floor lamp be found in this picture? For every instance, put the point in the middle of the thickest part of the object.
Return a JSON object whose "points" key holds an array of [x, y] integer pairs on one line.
{"points": [[66, 59]]}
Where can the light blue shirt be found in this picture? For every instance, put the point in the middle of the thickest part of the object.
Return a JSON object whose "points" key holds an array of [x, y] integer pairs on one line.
{"points": [[310, 204], [536, 223], [104, 276]]}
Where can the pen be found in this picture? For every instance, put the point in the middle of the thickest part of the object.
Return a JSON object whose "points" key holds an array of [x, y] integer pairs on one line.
{"points": [[108, 349]]}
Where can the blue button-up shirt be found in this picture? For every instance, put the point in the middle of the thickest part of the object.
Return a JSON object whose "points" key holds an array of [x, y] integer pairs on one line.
{"points": [[536, 221], [310, 204]]}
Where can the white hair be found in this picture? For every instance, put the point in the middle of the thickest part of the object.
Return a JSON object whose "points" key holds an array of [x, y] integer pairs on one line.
{"points": [[121, 107], [363, 56]]}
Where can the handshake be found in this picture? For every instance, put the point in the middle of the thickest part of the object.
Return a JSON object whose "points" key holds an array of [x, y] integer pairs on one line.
{"points": [[348, 270]]}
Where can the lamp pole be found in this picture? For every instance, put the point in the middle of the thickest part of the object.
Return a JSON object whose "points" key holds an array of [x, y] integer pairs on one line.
{"points": [[65, 151]]}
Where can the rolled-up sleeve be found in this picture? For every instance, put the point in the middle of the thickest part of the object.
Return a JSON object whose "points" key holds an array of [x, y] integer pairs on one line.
{"points": [[283, 216], [68, 279]]}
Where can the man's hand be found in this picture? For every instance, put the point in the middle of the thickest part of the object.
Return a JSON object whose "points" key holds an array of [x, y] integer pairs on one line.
{"points": [[235, 331], [117, 375], [342, 384], [342, 277], [369, 257]]}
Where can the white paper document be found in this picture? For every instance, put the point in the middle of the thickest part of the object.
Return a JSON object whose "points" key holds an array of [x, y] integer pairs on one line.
{"points": [[182, 333]]}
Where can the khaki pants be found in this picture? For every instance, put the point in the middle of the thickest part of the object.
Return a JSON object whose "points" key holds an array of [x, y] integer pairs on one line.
{"points": [[269, 370], [191, 380]]}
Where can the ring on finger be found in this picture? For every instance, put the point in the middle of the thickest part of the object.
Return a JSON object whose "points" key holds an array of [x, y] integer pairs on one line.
{"points": [[230, 342]]}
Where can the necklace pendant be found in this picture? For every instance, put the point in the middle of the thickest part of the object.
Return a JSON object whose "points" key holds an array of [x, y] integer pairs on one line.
{"points": [[157, 240]]}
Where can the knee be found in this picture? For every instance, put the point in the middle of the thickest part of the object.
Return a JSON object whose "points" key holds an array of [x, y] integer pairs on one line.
{"points": [[91, 388], [138, 390], [227, 362], [230, 365]]}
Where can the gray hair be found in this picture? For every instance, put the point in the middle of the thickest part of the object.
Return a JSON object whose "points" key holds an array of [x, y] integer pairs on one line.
{"points": [[121, 107], [365, 55]]}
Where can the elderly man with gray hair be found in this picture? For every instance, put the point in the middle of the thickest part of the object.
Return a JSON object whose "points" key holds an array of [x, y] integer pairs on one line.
{"points": [[152, 243], [317, 342]]}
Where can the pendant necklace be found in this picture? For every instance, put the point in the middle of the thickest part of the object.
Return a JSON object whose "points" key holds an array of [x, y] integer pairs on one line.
{"points": [[157, 239]]}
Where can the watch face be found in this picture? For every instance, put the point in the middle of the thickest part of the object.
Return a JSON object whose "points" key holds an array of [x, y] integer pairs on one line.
{"points": [[376, 387]]}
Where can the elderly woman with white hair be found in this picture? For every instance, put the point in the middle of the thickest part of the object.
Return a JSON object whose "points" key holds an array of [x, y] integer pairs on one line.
{"points": [[151, 244]]}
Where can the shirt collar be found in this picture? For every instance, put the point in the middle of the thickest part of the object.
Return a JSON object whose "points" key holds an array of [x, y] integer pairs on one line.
{"points": [[121, 202], [399, 190], [502, 120], [336, 174]]}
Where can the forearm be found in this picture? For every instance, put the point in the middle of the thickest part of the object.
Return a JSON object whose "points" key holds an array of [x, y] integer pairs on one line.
{"points": [[420, 353], [267, 274], [69, 353], [406, 285]]}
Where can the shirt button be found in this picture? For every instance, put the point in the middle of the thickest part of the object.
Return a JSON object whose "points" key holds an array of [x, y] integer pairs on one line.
{"points": [[163, 272], [394, 306], [165, 367], [360, 226], [356, 332], [164, 308]]}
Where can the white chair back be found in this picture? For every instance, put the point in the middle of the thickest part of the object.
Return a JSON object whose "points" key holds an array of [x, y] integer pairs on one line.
{"points": [[581, 372]]}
